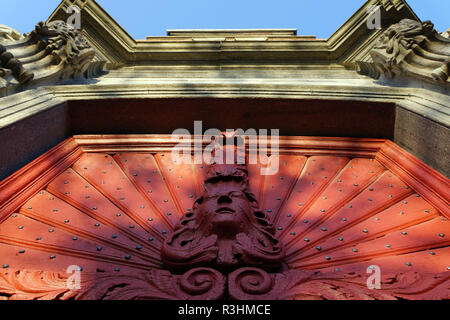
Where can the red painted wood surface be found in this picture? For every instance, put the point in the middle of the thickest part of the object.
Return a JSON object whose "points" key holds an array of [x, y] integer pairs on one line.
{"points": [[110, 212], [126, 204]]}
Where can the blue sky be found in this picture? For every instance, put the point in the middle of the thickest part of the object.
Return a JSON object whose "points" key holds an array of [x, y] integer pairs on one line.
{"points": [[143, 18]]}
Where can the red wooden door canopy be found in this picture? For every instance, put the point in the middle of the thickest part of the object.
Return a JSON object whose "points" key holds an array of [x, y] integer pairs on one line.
{"points": [[139, 226]]}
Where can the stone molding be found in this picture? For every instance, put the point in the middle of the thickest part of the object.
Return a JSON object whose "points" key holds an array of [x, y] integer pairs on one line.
{"points": [[431, 105]]}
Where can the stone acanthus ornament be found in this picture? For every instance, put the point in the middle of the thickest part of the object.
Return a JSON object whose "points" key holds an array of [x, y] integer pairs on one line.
{"points": [[51, 53], [7, 33], [446, 34], [413, 49]]}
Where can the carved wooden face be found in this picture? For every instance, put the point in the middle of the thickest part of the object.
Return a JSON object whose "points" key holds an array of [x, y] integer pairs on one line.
{"points": [[225, 230], [227, 210]]}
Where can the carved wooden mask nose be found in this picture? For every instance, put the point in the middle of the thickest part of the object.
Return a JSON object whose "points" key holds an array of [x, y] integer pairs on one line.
{"points": [[224, 199]]}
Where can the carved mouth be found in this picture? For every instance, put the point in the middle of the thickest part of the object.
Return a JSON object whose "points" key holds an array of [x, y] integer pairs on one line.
{"points": [[225, 210]]}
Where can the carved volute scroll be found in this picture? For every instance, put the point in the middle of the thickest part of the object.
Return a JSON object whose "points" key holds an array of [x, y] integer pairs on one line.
{"points": [[7, 59], [8, 33], [67, 46], [51, 53], [225, 229], [413, 49], [8, 62]]}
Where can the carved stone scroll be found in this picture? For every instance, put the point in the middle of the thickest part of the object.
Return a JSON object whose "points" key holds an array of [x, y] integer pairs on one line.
{"points": [[413, 49], [8, 33], [8, 62]]}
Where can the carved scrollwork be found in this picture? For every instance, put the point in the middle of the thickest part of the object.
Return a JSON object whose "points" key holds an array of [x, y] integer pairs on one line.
{"points": [[408, 286], [196, 284], [34, 285], [203, 284], [8, 62], [8, 33], [411, 48], [209, 284], [66, 45], [52, 52], [253, 283], [250, 282], [256, 284]]}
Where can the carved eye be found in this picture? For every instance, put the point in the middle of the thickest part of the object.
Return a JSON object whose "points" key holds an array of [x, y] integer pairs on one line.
{"points": [[208, 198], [237, 195], [259, 214]]}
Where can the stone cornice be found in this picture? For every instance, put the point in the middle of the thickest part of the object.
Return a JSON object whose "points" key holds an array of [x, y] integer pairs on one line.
{"points": [[431, 105]]}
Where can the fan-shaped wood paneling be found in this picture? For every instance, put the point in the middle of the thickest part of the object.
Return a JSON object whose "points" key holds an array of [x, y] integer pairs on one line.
{"points": [[110, 212]]}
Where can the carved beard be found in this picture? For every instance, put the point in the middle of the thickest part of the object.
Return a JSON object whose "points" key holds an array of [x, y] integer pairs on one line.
{"points": [[223, 240]]}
